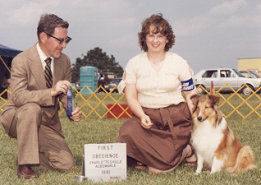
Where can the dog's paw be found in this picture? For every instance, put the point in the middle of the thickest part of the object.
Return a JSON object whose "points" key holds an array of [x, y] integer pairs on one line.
{"points": [[213, 171], [197, 172]]}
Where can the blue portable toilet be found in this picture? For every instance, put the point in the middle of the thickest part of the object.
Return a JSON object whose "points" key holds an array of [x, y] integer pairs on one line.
{"points": [[88, 77]]}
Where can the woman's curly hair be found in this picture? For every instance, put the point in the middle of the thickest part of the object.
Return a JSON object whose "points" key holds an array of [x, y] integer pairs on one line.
{"points": [[161, 26]]}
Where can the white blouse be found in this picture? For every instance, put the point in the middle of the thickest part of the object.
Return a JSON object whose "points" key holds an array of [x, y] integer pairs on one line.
{"points": [[157, 89]]}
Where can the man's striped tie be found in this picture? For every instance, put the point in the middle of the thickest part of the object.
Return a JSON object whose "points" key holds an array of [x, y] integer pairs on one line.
{"points": [[48, 73]]}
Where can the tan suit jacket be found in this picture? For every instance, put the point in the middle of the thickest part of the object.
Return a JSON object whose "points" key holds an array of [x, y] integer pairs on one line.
{"points": [[31, 113], [28, 85]]}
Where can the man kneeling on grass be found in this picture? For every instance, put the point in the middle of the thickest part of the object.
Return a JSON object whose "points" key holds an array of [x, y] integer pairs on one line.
{"points": [[39, 77]]}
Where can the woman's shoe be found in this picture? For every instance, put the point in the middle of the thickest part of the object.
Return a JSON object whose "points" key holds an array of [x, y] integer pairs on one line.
{"points": [[140, 166], [191, 158]]}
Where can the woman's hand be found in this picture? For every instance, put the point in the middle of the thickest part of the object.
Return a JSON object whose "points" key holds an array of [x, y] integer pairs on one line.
{"points": [[188, 95], [146, 122], [132, 100]]}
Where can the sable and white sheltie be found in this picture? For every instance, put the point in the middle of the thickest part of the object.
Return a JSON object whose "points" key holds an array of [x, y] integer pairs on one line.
{"points": [[215, 144]]}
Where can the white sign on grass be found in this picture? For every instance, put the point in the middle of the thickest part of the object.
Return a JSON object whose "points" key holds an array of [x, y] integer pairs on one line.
{"points": [[105, 162]]}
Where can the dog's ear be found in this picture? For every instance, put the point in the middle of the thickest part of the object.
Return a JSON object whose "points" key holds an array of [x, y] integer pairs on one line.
{"points": [[194, 98], [214, 99]]}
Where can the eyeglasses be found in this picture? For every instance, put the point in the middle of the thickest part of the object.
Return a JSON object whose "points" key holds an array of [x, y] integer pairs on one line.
{"points": [[61, 40]]}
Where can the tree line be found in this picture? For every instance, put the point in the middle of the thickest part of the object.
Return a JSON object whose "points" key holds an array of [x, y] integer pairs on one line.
{"points": [[97, 58]]}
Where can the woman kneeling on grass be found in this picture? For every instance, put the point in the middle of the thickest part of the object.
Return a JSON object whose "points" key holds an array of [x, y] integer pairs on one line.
{"points": [[158, 134]]}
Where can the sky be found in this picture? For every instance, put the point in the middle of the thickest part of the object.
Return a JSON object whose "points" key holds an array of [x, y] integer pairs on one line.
{"points": [[209, 33]]}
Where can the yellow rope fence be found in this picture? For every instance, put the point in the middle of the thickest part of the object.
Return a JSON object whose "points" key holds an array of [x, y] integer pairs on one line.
{"points": [[236, 103], [103, 104]]}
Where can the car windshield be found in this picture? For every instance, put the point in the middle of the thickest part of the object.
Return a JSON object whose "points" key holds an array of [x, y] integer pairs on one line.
{"points": [[116, 80], [250, 74], [254, 74], [238, 73]]}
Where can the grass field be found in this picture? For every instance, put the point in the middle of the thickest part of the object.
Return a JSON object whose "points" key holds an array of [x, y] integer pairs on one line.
{"points": [[94, 130]]}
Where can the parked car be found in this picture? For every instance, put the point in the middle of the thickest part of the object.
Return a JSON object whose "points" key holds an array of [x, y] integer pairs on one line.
{"points": [[221, 76], [114, 83], [104, 79]]}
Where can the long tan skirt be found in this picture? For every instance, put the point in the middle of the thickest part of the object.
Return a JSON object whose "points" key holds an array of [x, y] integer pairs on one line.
{"points": [[160, 146]]}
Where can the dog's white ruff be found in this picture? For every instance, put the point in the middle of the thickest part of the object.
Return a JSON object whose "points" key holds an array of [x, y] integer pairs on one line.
{"points": [[206, 139]]}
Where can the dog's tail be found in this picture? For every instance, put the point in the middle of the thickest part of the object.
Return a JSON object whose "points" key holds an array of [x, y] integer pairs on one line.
{"points": [[245, 160]]}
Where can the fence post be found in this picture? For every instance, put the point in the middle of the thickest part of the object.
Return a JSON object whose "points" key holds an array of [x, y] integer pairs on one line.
{"points": [[212, 90]]}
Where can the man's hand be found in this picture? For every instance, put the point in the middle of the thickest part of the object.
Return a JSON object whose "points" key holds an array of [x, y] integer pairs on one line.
{"points": [[60, 87], [146, 122], [76, 115]]}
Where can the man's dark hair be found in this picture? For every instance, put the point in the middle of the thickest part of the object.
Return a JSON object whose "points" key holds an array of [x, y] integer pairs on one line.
{"points": [[48, 22]]}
